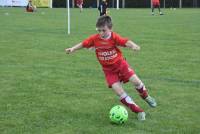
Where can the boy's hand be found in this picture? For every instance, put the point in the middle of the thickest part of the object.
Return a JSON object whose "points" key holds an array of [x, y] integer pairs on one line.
{"points": [[135, 48], [74, 48], [132, 45], [69, 50]]}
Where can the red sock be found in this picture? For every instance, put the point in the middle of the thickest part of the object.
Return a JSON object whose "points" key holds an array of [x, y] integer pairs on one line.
{"points": [[130, 104], [142, 91]]}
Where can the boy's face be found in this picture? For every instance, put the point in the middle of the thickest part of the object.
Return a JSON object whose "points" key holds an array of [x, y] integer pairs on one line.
{"points": [[104, 31]]}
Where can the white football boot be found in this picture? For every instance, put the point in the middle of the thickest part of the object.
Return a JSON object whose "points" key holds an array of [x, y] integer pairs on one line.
{"points": [[151, 101], [141, 116]]}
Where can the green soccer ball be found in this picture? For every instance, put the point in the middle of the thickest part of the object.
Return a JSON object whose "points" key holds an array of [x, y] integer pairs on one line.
{"points": [[118, 114]]}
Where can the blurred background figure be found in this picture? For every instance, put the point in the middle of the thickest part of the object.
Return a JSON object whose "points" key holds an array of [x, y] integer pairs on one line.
{"points": [[103, 8], [79, 4], [156, 4], [30, 7]]}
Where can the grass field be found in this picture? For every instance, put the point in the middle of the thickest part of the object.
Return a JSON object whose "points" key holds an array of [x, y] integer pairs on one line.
{"points": [[45, 91]]}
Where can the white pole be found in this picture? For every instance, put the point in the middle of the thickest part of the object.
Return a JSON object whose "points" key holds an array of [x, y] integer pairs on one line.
{"points": [[164, 4], [97, 3], [180, 3], [50, 3], [123, 3], [72, 3], [68, 17], [117, 4]]}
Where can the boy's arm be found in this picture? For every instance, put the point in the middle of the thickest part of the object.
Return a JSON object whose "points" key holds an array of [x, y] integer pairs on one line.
{"points": [[74, 48], [132, 45]]}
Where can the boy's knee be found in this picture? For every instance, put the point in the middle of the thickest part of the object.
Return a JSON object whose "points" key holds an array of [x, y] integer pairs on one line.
{"points": [[135, 80], [116, 85], [118, 88]]}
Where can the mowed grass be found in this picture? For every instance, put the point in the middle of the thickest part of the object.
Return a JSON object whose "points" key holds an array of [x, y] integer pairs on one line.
{"points": [[45, 91]]}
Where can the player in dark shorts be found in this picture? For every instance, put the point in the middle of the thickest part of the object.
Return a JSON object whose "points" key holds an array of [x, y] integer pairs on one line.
{"points": [[103, 8], [156, 4]]}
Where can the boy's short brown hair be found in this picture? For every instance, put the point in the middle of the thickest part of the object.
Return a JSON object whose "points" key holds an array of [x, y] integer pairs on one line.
{"points": [[104, 21]]}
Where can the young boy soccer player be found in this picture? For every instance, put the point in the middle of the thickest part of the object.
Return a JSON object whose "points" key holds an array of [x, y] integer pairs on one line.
{"points": [[156, 4], [115, 68]]}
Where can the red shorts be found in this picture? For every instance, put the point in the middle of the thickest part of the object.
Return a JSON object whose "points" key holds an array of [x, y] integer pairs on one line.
{"points": [[156, 4], [119, 71]]}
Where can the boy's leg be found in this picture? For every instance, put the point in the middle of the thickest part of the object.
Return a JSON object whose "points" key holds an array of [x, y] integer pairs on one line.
{"points": [[126, 100], [81, 8], [152, 10], [139, 86], [142, 90], [160, 10]]}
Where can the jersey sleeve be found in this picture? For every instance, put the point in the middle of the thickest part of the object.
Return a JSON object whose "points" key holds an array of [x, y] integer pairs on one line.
{"points": [[120, 41], [89, 42]]}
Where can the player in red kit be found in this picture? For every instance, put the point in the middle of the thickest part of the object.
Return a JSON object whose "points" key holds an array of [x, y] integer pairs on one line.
{"points": [[156, 4], [30, 7], [79, 3], [114, 66]]}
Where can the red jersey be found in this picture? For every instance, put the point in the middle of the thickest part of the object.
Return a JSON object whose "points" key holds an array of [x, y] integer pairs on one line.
{"points": [[79, 2], [107, 51], [156, 1]]}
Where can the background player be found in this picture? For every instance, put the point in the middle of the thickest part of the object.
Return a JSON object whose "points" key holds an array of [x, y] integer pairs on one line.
{"points": [[103, 8], [79, 4], [30, 7], [156, 4]]}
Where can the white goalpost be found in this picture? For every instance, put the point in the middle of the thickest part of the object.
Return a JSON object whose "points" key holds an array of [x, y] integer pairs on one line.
{"points": [[68, 17], [51, 4], [117, 4]]}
